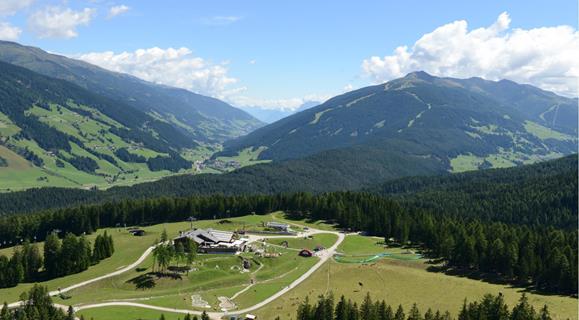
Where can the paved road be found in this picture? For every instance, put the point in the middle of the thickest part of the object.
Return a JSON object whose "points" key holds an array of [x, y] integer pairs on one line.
{"points": [[324, 255]]}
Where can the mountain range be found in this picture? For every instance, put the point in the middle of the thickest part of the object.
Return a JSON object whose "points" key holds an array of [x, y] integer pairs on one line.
{"points": [[67, 123], [203, 118], [460, 124]]}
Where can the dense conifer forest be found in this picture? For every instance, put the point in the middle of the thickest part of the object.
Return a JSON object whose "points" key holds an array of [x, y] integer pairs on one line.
{"points": [[542, 257]]}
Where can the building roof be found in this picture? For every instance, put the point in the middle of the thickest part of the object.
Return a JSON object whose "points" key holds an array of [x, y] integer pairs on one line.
{"points": [[202, 236], [277, 224]]}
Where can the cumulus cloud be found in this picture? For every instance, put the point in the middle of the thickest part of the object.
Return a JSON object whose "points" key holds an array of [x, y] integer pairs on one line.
{"points": [[545, 57], [10, 7], [9, 32], [57, 22], [117, 10], [172, 67]]}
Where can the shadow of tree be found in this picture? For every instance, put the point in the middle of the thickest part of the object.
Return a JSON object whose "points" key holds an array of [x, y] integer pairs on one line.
{"points": [[144, 281]]}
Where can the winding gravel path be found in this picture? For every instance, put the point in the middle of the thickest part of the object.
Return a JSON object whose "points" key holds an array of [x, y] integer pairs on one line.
{"points": [[324, 255]]}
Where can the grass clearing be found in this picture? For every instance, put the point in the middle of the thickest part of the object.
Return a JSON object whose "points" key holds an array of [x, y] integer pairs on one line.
{"points": [[403, 282], [127, 313], [324, 239], [544, 133]]}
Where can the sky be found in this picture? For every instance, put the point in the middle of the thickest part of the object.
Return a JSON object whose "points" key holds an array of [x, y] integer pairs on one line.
{"points": [[280, 54]]}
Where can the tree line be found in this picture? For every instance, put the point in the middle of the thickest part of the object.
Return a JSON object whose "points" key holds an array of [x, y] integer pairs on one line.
{"points": [[70, 255], [528, 255], [489, 307], [37, 306]]}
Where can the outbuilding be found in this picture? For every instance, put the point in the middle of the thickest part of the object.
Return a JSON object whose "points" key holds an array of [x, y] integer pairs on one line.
{"points": [[306, 253], [278, 226]]}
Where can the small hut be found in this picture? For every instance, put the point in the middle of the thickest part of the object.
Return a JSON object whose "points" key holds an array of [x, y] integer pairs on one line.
{"points": [[306, 253]]}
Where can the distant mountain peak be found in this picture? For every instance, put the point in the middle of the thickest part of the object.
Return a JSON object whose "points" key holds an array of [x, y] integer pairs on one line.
{"points": [[422, 75]]}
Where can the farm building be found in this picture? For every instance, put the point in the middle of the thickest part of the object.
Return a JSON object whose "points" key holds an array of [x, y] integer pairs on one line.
{"points": [[214, 241], [306, 253], [278, 226]]}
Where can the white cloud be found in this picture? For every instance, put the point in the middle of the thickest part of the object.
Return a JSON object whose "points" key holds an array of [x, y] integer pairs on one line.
{"points": [[9, 32], [252, 61], [10, 7], [173, 67], [289, 104], [117, 10], [56, 22], [220, 20], [179, 67], [545, 57]]}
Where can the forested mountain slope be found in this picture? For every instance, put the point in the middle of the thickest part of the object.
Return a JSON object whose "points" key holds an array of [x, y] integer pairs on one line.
{"points": [[539, 194], [202, 118], [344, 169], [465, 124], [311, 175]]}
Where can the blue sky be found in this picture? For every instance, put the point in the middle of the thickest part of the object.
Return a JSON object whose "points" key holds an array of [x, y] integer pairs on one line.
{"points": [[274, 50]]}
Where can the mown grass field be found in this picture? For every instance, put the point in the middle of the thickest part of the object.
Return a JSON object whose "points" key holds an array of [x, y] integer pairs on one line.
{"points": [[323, 239], [401, 282], [127, 313]]}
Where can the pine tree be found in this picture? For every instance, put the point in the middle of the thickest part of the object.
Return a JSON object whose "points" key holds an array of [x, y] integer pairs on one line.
{"points": [[341, 309], [523, 310], [304, 310], [399, 315], [429, 315], [5, 313], [366, 309], [32, 261], [414, 313], [545, 315], [52, 249], [164, 236], [204, 316]]}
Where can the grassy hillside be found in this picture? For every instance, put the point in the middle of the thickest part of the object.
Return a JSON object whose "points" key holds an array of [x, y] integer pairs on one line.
{"points": [[404, 282], [53, 133]]}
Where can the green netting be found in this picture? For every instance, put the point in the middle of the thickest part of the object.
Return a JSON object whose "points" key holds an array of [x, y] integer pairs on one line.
{"points": [[368, 259]]}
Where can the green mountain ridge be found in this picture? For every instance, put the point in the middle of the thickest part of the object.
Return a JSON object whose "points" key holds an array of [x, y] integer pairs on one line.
{"points": [[203, 118], [466, 124]]}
